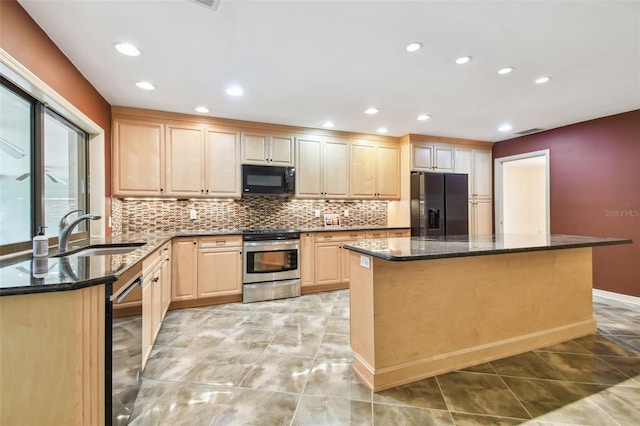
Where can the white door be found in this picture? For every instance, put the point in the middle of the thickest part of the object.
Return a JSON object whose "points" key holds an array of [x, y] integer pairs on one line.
{"points": [[522, 194]]}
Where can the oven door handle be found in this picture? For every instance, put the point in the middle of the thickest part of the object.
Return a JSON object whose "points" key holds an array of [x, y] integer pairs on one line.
{"points": [[271, 245], [133, 285]]}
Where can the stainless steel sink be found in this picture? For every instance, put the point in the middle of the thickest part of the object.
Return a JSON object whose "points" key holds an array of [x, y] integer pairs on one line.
{"points": [[102, 250]]}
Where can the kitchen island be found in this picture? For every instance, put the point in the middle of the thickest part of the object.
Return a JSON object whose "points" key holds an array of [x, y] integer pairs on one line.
{"points": [[422, 307]]}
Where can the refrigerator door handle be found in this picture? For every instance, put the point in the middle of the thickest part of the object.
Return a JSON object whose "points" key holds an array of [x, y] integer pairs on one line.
{"points": [[434, 219]]}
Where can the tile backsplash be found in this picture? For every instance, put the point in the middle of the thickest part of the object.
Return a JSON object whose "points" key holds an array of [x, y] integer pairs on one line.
{"points": [[251, 212]]}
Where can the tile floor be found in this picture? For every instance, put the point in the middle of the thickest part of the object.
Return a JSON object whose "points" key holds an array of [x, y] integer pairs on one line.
{"points": [[288, 362]]}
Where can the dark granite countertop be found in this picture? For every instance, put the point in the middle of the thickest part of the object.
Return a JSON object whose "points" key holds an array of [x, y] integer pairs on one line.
{"points": [[422, 248], [26, 274]]}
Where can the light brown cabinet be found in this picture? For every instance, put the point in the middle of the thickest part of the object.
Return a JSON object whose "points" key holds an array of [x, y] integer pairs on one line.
{"points": [[375, 171], [480, 217], [202, 161], [430, 157], [154, 287], [138, 157], [323, 168], [331, 259], [307, 259], [267, 149], [219, 266], [207, 267], [477, 164]]}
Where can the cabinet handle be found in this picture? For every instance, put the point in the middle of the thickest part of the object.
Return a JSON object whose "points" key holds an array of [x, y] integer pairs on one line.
{"points": [[155, 280], [221, 243], [166, 249], [202, 191], [207, 191], [161, 189], [195, 242], [328, 237]]}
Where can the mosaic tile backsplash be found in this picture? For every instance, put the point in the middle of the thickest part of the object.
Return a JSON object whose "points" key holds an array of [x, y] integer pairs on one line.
{"points": [[250, 212]]}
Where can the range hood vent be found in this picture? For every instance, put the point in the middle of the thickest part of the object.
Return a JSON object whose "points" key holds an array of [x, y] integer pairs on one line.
{"points": [[529, 131]]}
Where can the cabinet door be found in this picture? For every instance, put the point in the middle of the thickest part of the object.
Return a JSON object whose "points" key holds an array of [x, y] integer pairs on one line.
{"points": [[221, 163], [335, 165], [363, 170], [156, 302], [184, 172], [281, 150], [328, 258], [443, 156], [219, 272], [255, 148], [482, 174], [388, 172], [463, 164], [166, 279], [147, 323], [184, 269], [483, 217], [307, 251], [309, 172], [138, 157], [421, 157]]}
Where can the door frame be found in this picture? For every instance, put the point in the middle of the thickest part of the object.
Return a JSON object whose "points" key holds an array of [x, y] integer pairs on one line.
{"points": [[498, 186]]}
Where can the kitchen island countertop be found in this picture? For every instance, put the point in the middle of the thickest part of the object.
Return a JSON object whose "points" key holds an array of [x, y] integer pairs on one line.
{"points": [[424, 248]]}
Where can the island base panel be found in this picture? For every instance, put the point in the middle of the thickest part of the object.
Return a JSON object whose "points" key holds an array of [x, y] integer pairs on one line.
{"points": [[416, 319]]}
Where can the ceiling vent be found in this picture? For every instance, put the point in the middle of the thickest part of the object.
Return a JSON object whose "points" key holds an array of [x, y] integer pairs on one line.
{"points": [[213, 4], [529, 131]]}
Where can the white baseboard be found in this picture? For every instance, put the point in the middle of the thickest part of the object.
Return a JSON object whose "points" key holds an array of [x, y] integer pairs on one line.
{"points": [[617, 296]]}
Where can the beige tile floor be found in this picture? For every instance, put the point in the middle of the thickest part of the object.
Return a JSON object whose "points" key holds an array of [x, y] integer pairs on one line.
{"points": [[288, 362]]}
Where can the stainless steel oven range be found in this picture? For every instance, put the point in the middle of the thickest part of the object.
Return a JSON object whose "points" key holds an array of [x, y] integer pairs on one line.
{"points": [[271, 265]]}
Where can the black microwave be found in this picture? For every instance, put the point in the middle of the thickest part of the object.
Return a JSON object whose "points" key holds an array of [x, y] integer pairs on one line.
{"points": [[268, 180]]}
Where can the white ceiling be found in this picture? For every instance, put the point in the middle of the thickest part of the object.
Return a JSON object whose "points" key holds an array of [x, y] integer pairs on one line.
{"points": [[303, 62]]}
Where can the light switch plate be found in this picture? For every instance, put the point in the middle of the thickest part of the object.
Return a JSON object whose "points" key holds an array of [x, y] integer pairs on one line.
{"points": [[193, 214], [346, 212], [365, 261], [317, 213]]}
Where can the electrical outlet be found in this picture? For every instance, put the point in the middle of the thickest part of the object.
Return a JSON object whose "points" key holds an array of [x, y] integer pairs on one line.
{"points": [[317, 213], [193, 214], [346, 212]]}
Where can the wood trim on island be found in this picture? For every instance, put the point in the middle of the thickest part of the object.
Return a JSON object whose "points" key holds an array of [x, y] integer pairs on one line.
{"points": [[417, 319]]}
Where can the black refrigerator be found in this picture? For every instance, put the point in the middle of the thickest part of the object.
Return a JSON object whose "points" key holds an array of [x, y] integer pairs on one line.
{"points": [[439, 204]]}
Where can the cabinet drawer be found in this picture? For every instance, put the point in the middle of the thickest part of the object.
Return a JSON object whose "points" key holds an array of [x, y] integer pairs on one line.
{"points": [[220, 241], [398, 233], [322, 237], [377, 234]]}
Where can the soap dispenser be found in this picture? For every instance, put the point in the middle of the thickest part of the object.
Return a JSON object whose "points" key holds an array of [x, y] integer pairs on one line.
{"points": [[40, 244]]}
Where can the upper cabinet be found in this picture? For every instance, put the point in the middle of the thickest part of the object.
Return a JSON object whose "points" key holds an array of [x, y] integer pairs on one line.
{"points": [[202, 161], [375, 170], [267, 149], [428, 157], [176, 159], [477, 164], [138, 157], [323, 168]]}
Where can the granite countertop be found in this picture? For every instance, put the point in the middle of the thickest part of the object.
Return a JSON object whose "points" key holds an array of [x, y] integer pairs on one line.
{"points": [[423, 248], [26, 274]]}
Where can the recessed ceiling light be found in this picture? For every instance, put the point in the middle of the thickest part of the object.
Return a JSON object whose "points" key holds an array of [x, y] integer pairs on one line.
{"points": [[423, 117], [235, 91], [328, 124], [413, 46], [202, 109], [542, 80], [505, 127], [463, 60], [145, 85], [382, 130], [127, 49], [371, 111], [506, 70]]}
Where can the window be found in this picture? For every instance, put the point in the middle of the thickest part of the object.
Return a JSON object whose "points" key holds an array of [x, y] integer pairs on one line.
{"points": [[43, 169]]}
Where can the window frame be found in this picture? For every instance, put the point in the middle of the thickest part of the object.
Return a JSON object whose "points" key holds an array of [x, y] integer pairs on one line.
{"points": [[38, 111]]}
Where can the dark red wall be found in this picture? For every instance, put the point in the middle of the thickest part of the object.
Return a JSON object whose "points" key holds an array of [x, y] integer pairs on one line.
{"points": [[26, 42], [595, 190]]}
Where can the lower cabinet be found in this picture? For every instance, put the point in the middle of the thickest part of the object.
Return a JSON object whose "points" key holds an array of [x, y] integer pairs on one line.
{"points": [[307, 259], [156, 283], [331, 259], [480, 218], [206, 267]]}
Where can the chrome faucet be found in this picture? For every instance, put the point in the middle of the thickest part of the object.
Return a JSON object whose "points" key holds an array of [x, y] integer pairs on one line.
{"points": [[65, 228]]}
